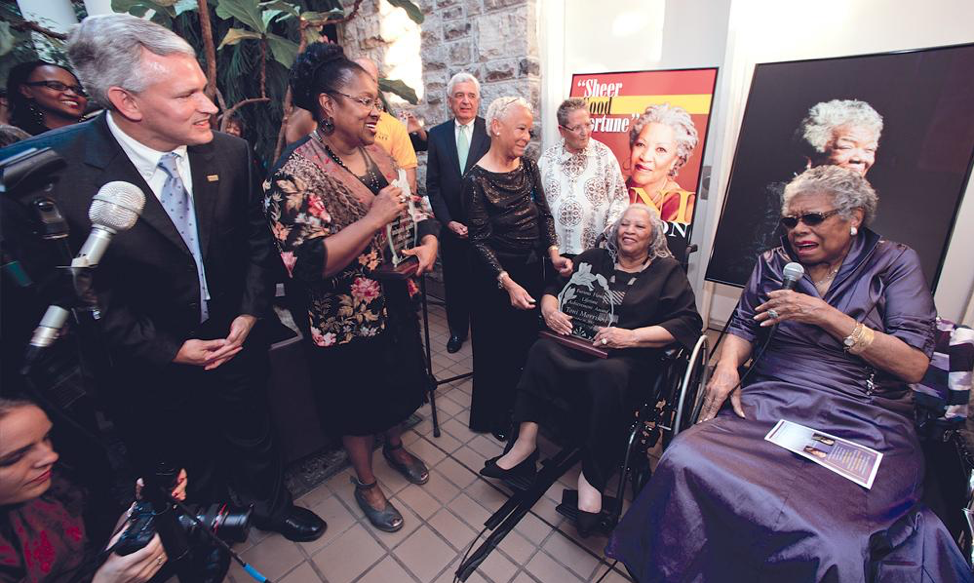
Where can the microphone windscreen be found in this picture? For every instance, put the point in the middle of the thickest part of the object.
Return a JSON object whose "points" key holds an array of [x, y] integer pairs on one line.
{"points": [[117, 205], [793, 271]]}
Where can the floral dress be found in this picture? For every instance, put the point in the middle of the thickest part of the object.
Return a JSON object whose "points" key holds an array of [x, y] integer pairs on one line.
{"points": [[366, 358]]}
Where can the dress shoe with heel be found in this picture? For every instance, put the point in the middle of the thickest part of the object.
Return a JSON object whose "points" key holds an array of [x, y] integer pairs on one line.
{"points": [[454, 344], [388, 519], [525, 469], [296, 524], [587, 522], [415, 471]]}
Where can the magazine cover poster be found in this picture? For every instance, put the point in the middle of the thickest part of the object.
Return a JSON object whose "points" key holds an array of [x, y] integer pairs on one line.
{"points": [[656, 123]]}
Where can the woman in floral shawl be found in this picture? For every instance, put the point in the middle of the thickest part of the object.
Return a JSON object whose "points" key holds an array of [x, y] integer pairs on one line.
{"points": [[328, 202]]}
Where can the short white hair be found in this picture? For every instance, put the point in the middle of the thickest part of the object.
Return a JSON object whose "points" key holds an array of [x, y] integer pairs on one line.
{"points": [[462, 77], [106, 51], [500, 106], [818, 127], [847, 189], [674, 116]]}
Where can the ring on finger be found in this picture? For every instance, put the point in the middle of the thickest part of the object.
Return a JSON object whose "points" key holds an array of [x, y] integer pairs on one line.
{"points": [[773, 314], [160, 560], [403, 198]]}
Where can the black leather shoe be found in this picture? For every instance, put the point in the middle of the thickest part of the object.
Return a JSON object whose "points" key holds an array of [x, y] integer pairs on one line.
{"points": [[454, 344], [525, 469], [299, 525], [416, 472], [587, 522]]}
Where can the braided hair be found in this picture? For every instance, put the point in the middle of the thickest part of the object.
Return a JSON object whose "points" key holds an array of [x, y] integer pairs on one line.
{"points": [[321, 68]]}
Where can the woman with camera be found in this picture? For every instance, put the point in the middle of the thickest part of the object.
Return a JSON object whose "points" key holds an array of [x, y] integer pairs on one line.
{"points": [[42, 534]]}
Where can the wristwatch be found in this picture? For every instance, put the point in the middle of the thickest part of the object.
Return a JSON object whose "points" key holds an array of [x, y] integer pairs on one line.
{"points": [[854, 337]]}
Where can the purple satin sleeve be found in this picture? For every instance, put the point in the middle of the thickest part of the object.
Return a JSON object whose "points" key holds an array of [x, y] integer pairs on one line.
{"points": [[907, 307]]}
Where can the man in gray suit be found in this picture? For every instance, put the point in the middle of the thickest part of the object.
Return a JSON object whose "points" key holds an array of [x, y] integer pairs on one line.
{"points": [[455, 146]]}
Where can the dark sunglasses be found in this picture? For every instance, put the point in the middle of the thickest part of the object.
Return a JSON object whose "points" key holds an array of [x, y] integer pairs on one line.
{"points": [[810, 219], [57, 86]]}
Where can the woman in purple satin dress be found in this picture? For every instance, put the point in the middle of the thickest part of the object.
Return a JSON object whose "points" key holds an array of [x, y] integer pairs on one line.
{"points": [[726, 505]]}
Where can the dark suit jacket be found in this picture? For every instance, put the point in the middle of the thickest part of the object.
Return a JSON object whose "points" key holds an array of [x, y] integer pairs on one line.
{"points": [[146, 284], [443, 177]]}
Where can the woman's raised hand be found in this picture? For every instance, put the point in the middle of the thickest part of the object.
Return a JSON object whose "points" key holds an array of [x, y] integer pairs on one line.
{"points": [[387, 205]]}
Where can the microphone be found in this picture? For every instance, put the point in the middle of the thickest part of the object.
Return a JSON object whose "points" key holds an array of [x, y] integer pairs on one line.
{"points": [[792, 273], [115, 207]]}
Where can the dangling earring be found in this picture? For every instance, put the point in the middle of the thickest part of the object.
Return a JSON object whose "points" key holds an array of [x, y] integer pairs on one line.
{"points": [[35, 112], [326, 126], [853, 231]]}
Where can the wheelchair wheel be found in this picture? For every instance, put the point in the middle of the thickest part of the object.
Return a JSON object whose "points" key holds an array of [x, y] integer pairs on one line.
{"points": [[689, 399]]}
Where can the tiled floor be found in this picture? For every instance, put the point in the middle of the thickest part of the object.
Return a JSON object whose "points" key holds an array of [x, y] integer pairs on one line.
{"points": [[441, 517]]}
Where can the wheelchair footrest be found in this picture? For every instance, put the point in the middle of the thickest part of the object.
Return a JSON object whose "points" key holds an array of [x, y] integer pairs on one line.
{"points": [[569, 509]]}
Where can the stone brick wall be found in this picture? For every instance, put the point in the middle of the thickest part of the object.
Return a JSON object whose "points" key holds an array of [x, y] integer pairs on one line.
{"points": [[494, 40]]}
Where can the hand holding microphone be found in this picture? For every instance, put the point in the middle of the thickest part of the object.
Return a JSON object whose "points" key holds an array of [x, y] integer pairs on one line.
{"points": [[787, 304]]}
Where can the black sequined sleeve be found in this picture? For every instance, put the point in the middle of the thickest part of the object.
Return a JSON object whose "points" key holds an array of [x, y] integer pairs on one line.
{"points": [[479, 227], [546, 222]]}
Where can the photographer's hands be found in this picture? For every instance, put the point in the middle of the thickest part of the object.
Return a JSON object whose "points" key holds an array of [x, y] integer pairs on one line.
{"points": [[140, 566]]}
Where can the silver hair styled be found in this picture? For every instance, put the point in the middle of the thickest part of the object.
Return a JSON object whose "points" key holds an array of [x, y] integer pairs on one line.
{"points": [[657, 243], [683, 130], [847, 189], [462, 77], [567, 107], [106, 51], [818, 127], [500, 106]]}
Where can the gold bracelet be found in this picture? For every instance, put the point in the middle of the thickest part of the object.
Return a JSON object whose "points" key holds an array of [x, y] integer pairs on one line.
{"points": [[555, 247], [853, 338], [866, 339]]}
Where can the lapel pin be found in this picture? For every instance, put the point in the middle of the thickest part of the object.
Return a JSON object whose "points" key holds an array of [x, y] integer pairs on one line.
{"points": [[212, 177]]}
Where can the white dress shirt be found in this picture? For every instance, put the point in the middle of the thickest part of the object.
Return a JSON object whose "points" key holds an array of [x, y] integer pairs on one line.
{"points": [[585, 191], [146, 161]]}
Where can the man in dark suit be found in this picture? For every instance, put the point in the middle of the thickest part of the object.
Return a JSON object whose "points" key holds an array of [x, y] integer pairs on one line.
{"points": [[182, 292], [455, 146]]}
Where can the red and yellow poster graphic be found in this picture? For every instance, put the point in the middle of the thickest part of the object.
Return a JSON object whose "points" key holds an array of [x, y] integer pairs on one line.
{"points": [[656, 124]]}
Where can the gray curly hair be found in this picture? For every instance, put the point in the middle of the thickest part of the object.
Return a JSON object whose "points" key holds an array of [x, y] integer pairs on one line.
{"points": [[657, 243], [818, 128], [106, 51], [500, 106], [847, 189], [683, 129]]}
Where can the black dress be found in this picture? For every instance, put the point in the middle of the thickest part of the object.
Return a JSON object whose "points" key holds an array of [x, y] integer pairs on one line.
{"points": [[510, 229], [589, 400]]}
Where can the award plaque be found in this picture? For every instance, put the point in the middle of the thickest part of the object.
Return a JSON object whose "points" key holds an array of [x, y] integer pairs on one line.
{"points": [[587, 299], [401, 234]]}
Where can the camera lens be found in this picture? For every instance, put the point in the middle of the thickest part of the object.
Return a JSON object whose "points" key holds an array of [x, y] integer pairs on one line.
{"points": [[230, 523]]}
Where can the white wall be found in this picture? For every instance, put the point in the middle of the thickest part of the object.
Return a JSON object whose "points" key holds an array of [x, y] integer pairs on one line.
{"points": [[579, 36]]}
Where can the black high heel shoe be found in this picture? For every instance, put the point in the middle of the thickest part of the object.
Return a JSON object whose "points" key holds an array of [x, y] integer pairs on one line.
{"points": [[525, 469]]}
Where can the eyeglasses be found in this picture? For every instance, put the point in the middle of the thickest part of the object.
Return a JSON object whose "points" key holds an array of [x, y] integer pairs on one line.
{"points": [[57, 86], [578, 129], [810, 219], [369, 102]]}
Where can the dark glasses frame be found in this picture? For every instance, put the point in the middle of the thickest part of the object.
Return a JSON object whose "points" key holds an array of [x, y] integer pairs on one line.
{"points": [[810, 219], [58, 86]]}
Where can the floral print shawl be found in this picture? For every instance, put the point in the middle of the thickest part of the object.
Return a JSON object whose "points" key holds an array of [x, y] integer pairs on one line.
{"points": [[308, 198]]}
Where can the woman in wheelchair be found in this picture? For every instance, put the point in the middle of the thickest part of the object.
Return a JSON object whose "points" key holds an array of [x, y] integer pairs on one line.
{"points": [[591, 399], [727, 505]]}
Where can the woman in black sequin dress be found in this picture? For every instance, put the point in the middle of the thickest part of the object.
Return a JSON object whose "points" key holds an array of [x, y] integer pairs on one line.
{"points": [[512, 231]]}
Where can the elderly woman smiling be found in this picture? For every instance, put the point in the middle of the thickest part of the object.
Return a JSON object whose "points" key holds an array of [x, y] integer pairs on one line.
{"points": [[511, 231], [590, 398], [841, 132], [851, 336], [660, 143]]}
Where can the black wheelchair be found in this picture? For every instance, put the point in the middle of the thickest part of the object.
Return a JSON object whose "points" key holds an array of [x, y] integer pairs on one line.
{"points": [[671, 405]]}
